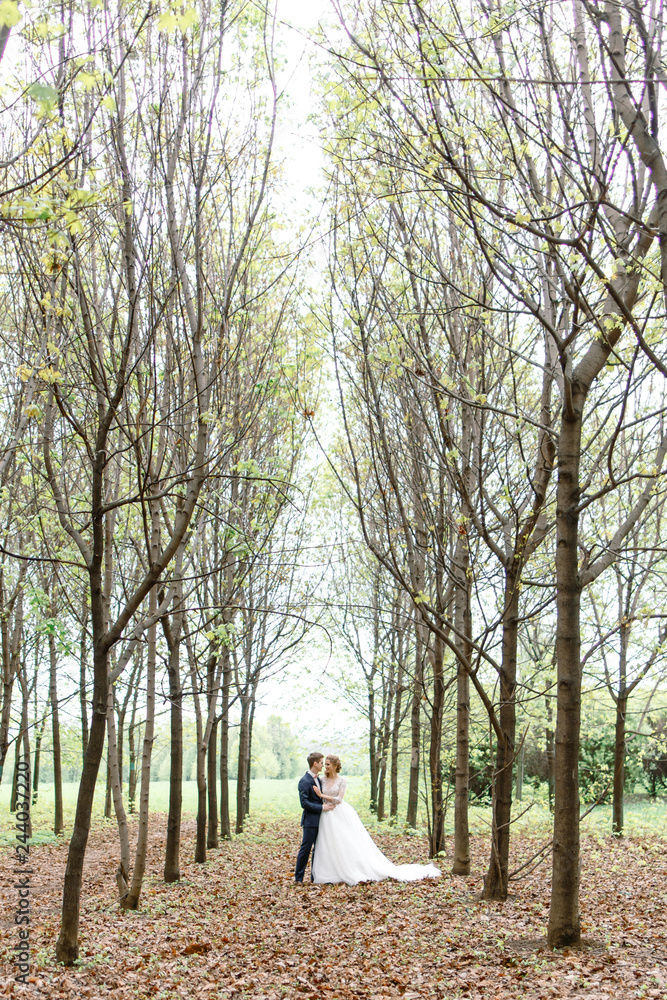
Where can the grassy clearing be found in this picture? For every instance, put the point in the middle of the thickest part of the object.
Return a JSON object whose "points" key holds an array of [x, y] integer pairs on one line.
{"points": [[276, 799]]}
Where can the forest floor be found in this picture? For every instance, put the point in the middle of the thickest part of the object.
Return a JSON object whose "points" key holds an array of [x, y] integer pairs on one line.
{"points": [[237, 927]]}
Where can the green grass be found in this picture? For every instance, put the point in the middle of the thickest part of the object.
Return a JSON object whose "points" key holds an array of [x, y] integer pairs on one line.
{"points": [[270, 799]]}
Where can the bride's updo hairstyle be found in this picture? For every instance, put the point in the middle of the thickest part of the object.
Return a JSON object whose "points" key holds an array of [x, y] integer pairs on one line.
{"points": [[335, 761]]}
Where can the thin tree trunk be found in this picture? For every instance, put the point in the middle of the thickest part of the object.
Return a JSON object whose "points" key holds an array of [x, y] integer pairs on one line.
{"points": [[564, 923], [200, 845], [496, 880], [372, 749], [251, 719], [109, 522], [58, 824], [131, 771], [242, 769], [619, 765], [395, 733], [83, 665], [382, 776], [550, 750], [39, 736], [107, 793], [519, 773], [67, 946], [8, 675], [225, 825], [11, 656], [415, 727], [384, 739], [131, 901], [437, 833], [11, 648], [131, 743], [203, 736], [116, 782], [24, 736], [172, 867], [173, 631], [212, 839], [462, 617], [15, 773], [621, 701]]}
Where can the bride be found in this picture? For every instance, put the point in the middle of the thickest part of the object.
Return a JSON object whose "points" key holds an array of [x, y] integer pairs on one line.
{"points": [[345, 851]]}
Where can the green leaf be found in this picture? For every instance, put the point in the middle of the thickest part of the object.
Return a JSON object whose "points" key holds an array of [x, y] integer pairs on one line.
{"points": [[9, 13], [87, 80], [42, 92], [167, 22], [187, 19]]}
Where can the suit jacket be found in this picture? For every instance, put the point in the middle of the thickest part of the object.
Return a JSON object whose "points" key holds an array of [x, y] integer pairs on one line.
{"points": [[310, 802]]}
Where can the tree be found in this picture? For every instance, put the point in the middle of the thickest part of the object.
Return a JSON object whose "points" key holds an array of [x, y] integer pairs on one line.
{"points": [[638, 633], [561, 194], [367, 614]]}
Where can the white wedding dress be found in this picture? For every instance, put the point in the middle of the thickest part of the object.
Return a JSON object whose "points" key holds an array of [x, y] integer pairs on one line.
{"points": [[345, 851]]}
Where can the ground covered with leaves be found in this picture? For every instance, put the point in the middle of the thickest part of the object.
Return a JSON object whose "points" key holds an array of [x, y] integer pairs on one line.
{"points": [[238, 927]]}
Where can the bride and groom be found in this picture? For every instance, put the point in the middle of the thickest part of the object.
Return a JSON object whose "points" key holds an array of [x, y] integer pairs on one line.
{"points": [[342, 849]]}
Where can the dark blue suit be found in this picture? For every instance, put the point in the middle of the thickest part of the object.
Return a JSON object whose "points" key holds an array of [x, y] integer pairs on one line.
{"points": [[310, 821]]}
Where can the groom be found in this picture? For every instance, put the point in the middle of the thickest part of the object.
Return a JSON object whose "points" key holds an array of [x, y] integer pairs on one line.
{"points": [[312, 809]]}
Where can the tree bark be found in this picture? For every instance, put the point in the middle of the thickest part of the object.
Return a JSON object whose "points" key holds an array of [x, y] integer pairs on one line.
{"points": [[172, 632], [15, 773], [519, 773], [395, 734], [172, 868], [381, 782], [11, 648], [619, 765], [25, 735], [22, 738], [214, 669], [83, 664], [39, 736], [251, 720], [67, 945], [496, 880], [415, 727], [8, 675], [244, 754], [107, 793], [564, 921], [384, 736], [550, 751], [437, 832], [225, 825], [462, 618], [131, 746], [116, 782], [212, 839], [372, 748], [200, 846], [131, 901]]}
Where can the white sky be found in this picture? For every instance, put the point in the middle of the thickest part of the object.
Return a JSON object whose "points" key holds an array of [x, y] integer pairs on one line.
{"points": [[297, 139]]}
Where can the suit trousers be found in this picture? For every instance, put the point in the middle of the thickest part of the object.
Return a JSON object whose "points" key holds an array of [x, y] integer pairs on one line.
{"points": [[307, 845]]}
